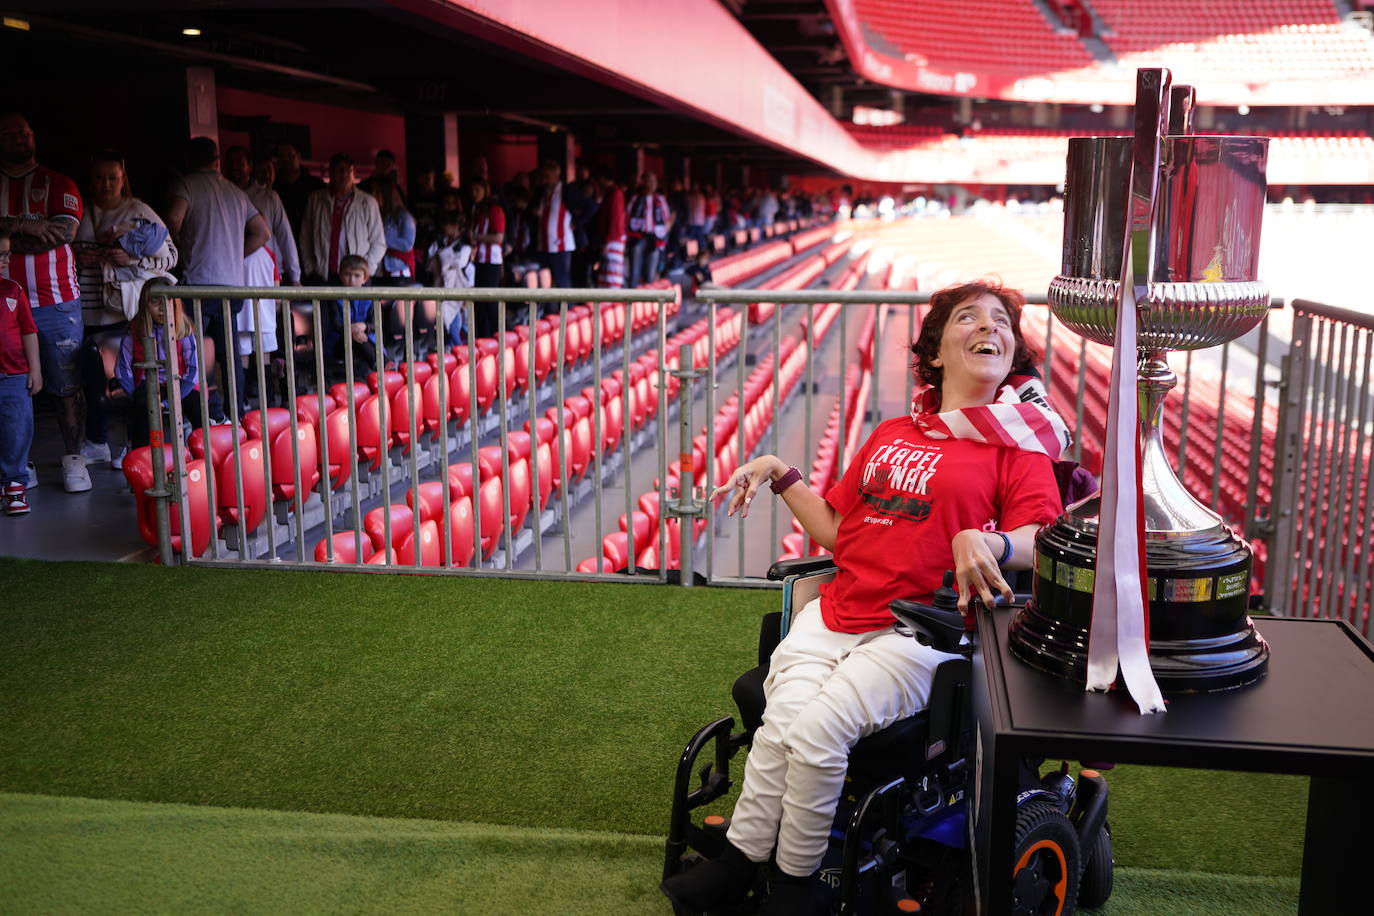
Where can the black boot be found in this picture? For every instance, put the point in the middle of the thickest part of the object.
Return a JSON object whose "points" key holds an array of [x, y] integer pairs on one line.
{"points": [[789, 895], [721, 881]]}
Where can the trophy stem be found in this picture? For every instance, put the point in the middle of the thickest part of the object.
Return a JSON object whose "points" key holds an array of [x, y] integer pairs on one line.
{"points": [[1169, 507]]}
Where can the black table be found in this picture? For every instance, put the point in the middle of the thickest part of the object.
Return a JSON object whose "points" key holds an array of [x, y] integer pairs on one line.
{"points": [[1312, 714]]}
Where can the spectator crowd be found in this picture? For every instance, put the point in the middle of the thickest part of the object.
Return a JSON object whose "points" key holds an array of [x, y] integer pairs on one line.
{"points": [[74, 260]]}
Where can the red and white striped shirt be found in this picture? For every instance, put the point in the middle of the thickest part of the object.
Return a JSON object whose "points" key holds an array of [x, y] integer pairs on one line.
{"points": [[493, 219], [49, 277], [555, 223]]}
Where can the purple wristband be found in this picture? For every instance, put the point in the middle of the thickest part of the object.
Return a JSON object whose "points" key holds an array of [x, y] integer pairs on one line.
{"points": [[786, 480]]}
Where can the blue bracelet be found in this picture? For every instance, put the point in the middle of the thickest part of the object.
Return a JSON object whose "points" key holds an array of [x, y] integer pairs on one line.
{"points": [[1006, 548]]}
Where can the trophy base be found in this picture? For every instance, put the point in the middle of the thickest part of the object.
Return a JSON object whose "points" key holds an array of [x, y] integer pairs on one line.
{"points": [[1201, 635]]}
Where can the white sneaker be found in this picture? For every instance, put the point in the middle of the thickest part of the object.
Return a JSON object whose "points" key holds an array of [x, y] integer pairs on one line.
{"points": [[95, 451], [33, 476], [75, 479], [118, 462]]}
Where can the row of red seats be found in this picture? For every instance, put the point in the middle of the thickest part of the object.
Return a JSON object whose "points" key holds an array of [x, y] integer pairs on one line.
{"points": [[758, 398], [799, 277], [758, 395], [617, 409]]}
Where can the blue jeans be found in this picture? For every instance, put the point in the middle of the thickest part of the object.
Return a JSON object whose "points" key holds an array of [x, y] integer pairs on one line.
{"points": [[226, 359], [59, 346], [644, 260], [16, 428]]}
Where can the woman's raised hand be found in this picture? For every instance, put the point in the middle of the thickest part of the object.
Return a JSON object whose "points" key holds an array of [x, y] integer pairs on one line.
{"points": [[745, 482]]}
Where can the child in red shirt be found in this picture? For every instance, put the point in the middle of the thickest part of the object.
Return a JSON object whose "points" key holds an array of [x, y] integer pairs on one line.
{"points": [[21, 377]]}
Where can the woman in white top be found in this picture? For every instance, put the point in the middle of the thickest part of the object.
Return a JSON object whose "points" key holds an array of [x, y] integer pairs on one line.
{"points": [[120, 244]]}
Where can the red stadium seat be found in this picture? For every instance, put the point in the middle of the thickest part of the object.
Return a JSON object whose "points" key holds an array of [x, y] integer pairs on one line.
{"points": [[460, 531], [424, 370], [591, 564], [339, 392], [138, 471], [277, 419], [254, 487], [521, 492], [402, 524], [612, 424], [308, 408], [221, 442], [492, 513], [648, 504], [373, 441], [644, 528], [430, 548], [400, 416], [613, 548], [201, 518], [336, 433], [548, 439], [459, 393], [284, 460], [394, 380], [345, 549], [431, 499]]}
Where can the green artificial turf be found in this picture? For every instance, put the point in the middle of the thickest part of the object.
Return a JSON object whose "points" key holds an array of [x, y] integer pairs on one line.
{"points": [[78, 855], [501, 702]]}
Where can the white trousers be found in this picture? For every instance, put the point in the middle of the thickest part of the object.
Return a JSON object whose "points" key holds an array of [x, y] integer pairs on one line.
{"points": [[825, 691]]}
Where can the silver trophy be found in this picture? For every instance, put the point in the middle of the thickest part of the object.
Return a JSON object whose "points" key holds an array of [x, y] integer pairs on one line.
{"points": [[1193, 206]]}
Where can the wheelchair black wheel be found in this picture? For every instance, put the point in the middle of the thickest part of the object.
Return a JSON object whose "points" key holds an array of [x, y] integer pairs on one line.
{"points": [[1045, 876], [1096, 885]]}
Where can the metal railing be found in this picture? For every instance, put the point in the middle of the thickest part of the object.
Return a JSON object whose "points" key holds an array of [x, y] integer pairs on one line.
{"points": [[1319, 533], [1222, 430], [435, 430]]}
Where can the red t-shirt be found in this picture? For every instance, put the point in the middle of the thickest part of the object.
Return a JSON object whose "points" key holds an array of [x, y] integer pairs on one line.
{"points": [[15, 321], [48, 277], [904, 497]]}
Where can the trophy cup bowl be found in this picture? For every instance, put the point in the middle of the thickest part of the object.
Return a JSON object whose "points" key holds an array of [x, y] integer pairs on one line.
{"points": [[1202, 291]]}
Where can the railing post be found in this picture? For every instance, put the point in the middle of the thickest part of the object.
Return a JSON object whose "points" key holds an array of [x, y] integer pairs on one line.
{"points": [[1280, 526], [685, 508], [152, 387]]}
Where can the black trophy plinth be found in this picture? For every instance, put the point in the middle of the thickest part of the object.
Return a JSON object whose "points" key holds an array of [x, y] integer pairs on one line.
{"points": [[1201, 635]]}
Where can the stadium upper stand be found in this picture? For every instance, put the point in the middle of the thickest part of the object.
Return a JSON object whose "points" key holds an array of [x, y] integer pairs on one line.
{"points": [[996, 36], [1268, 52], [1231, 40]]}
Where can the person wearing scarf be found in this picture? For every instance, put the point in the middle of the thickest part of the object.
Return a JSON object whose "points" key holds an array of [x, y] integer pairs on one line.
{"points": [[964, 482]]}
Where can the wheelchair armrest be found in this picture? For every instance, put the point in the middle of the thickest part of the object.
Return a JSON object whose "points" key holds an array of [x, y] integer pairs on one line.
{"points": [[943, 629], [801, 566]]}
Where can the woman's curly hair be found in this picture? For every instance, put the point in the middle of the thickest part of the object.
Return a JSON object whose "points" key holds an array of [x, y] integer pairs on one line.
{"points": [[942, 305]]}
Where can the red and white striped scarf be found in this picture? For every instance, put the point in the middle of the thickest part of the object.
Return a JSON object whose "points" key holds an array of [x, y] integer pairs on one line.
{"points": [[1021, 417]]}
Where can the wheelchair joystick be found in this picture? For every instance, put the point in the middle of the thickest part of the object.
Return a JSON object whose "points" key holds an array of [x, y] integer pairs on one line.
{"points": [[941, 624]]}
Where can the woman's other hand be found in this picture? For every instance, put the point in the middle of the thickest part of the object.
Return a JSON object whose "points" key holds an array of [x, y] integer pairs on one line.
{"points": [[976, 570], [746, 480]]}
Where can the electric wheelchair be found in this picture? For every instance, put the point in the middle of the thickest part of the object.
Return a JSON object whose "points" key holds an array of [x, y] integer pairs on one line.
{"points": [[900, 840]]}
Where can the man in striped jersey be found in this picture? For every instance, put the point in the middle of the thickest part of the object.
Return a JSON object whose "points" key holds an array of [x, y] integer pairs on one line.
{"points": [[41, 209], [554, 219]]}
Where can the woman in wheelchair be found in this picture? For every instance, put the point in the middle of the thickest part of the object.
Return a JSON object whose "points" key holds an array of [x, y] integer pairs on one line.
{"points": [[962, 483]]}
